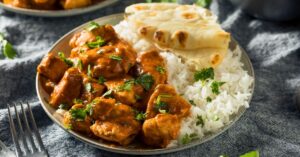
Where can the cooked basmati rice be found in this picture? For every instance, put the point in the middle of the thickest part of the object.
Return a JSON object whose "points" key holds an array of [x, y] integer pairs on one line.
{"points": [[234, 94]]}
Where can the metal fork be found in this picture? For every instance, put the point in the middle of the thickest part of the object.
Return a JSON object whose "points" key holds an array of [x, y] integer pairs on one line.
{"points": [[24, 135]]}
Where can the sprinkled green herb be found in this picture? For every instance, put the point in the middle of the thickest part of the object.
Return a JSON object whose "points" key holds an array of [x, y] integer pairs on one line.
{"points": [[89, 71], [117, 58], [203, 3], [187, 138], [101, 80], [7, 49], [145, 80], [192, 102], [215, 87], [208, 99], [204, 74], [254, 153], [78, 114], [68, 126], [108, 94], [127, 86], [88, 87], [160, 69], [137, 97], [92, 25], [63, 58], [95, 44], [79, 64], [77, 101], [140, 116], [100, 51], [160, 106], [200, 121], [63, 106], [89, 108]]}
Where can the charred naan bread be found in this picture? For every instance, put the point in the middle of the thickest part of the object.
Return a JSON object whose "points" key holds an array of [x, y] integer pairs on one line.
{"points": [[187, 30]]}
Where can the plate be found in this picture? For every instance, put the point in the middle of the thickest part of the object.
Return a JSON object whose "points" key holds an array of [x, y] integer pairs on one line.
{"points": [[57, 13], [60, 45]]}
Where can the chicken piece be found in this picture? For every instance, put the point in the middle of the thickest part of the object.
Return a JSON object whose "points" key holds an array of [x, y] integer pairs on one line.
{"points": [[18, 3], [77, 119], [102, 107], [152, 63], [92, 89], [109, 61], [126, 90], [106, 32], [52, 67], [165, 100], [160, 130], [47, 85], [43, 4], [72, 4], [118, 125], [67, 89]]}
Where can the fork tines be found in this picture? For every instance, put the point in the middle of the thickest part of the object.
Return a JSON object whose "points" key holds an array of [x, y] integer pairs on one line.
{"points": [[24, 132]]}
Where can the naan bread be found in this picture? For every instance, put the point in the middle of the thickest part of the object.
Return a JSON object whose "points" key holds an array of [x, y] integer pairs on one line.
{"points": [[187, 30]]}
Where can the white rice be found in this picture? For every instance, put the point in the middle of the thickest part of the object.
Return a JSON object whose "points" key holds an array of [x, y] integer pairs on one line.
{"points": [[216, 114]]}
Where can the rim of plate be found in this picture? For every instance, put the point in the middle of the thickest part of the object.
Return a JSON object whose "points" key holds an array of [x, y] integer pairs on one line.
{"points": [[57, 13], [111, 19]]}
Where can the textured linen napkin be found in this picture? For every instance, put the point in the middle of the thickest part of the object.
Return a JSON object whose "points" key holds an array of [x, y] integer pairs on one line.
{"points": [[271, 124]]}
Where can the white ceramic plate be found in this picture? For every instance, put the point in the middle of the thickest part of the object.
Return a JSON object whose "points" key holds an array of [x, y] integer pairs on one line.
{"points": [[63, 45], [57, 13]]}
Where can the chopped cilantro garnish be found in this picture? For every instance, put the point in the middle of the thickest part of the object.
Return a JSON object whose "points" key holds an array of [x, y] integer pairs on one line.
{"points": [[208, 99], [100, 51], [89, 108], [89, 71], [204, 74], [78, 114], [127, 86], [140, 116], [95, 44], [63, 58], [88, 87], [187, 138], [192, 102], [215, 87], [7, 48], [108, 94], [101, 80], [161, 107], [200, 121], [68, 126], [79, 64], [77, 101], [216, 118], [145, 80], [254, 153], [92, 25], [63, 106], [160, 69], [137, 97], [117, 58]]}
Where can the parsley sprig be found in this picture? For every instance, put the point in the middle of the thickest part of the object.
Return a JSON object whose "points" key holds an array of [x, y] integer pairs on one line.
{"points": [[204, 74], [7, 49]]}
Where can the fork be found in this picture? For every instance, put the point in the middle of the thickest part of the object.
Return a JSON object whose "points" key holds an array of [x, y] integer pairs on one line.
{"points": [[24, 135]]}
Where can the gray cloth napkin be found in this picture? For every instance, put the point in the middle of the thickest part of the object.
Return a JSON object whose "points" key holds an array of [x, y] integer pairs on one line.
{"points": [[271, 124]]}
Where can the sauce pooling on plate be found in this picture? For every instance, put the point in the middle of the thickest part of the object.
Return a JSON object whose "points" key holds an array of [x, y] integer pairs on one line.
{"points": [[109, 92]]}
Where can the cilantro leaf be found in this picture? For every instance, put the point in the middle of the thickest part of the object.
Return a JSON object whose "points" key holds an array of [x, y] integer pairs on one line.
{"points": [[192, 102], [146, 81], [78, 114], [160, 69], [7, 48], [101, 80], [108, 94], [204, 74], [61, 55], [89, 72], [115, 57], [203, 3], [127, 86], [200, 121], [77, 101], [254, 153], [215, 87], [187, 138], [79, 64], [208, 99], [63, 106], [140, 116], [95, 44], [88, 87], [92, 25]]}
